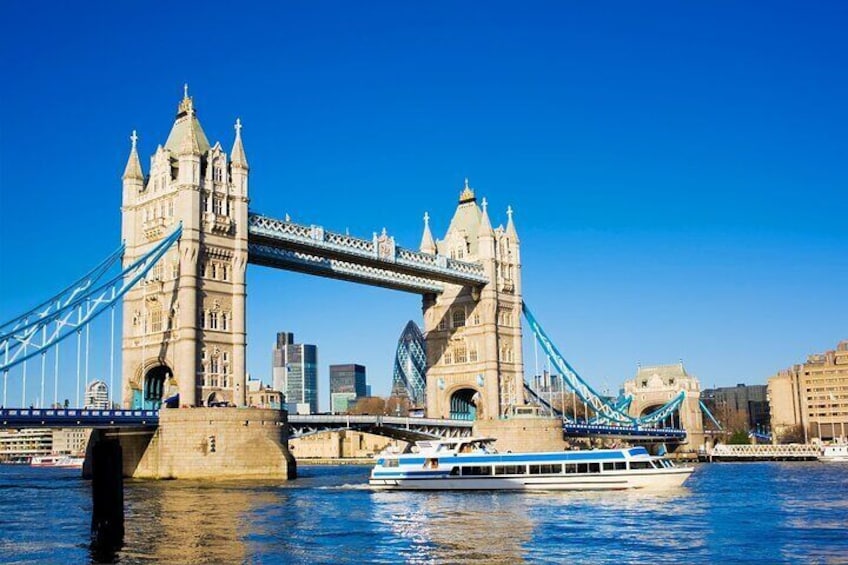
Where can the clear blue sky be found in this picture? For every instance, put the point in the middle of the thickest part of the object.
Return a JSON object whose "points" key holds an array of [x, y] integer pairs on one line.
{"points": [[678, 170]]}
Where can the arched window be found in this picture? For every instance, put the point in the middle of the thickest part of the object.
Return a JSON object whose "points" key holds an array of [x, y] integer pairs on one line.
{"points": [[461, 354], [458, 317]]}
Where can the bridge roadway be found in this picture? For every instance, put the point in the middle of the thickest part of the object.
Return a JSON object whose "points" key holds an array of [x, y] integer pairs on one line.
{"points": [[405, 428], [409, 429]]}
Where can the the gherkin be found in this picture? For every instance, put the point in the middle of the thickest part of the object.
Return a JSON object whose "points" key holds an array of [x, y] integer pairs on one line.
{"points": [[410, 366]]}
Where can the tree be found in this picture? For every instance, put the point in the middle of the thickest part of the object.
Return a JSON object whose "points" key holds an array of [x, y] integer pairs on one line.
{"points": [[791, 434], [369, 405], [738, 437]]}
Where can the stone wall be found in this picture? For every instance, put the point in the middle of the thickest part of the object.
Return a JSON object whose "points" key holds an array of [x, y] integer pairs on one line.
{"points": [[523, 434], [341, 444], [210, 443]]}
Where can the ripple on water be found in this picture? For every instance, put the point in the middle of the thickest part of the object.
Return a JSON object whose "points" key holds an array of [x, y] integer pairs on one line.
{"points": [[745, 513]]}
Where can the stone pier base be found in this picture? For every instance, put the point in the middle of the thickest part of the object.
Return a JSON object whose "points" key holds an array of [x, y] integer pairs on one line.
{"points": [[516, 434], [209, 443]]}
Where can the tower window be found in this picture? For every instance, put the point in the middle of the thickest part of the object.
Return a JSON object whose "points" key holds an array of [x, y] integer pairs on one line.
{"points": [[213, 320], [458, 317]]}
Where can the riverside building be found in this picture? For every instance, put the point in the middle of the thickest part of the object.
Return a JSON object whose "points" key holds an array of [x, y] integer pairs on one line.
{"points": [[813, 395]]}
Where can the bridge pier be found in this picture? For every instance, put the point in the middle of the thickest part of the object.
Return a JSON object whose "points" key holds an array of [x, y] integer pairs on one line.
{"points": [[205, 443], [107, 495]]}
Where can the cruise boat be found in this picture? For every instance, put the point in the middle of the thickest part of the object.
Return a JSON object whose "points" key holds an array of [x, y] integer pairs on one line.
{"points": [[836, 453], [57, 461], [474, 464]]}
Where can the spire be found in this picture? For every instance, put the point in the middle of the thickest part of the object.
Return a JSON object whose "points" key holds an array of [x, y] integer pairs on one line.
{"points": [[485, 224], [133, 168], [467, 194], [186, 105], [190, 145], [428, 245], [510, 226], [237, 155]]}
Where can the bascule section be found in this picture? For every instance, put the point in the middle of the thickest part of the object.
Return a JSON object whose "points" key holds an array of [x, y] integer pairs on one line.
{"points": [[184, 325]]}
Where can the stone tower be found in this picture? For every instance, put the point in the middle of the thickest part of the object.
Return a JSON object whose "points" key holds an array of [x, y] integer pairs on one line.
{"points": [[473, 336], [184, 325]]}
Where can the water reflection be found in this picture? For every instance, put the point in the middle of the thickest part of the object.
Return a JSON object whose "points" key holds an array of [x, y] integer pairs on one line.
{"points": [[451, 527], [188, 521]]}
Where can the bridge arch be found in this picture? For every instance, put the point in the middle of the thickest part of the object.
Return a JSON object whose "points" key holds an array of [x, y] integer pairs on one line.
{"points": [[465, 403], [155, 385]]}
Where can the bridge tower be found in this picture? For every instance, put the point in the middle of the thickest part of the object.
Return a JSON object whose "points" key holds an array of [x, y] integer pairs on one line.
{"points": [[184, 326], [473, 335], [654, 386]]}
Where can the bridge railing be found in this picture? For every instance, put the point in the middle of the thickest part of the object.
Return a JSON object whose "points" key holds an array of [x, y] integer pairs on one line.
{"points": [[765, 451], [76, 413]]}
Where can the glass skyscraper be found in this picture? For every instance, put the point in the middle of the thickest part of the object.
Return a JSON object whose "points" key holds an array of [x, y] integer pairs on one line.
{"points": [[347, 384], [294, 369], [410, 371]]}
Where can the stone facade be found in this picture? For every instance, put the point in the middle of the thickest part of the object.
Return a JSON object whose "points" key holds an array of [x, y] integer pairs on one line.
{"points": [[342, 444], [652, 387], [209, 443], [813, 395], [184, 325], [519, 434], [473, 336]]}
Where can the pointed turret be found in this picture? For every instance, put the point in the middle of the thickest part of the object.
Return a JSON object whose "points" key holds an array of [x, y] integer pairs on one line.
{"points": [[428, 244], [190, 145], [510, 225], [237, 157], [485, 224], [187, 126], [238, 163], [133, 168]]}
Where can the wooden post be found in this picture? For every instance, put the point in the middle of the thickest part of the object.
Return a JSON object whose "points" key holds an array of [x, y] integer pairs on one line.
{"points": [[107, 493]]}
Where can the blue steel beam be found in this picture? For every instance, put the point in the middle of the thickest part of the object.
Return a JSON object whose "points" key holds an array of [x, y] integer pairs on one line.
{"points": [[19, 418], [38, 333]]}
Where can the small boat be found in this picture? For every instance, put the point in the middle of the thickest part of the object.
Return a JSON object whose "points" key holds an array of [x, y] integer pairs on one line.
{"points": [[474, 464], [69, 461], [836, 453]]}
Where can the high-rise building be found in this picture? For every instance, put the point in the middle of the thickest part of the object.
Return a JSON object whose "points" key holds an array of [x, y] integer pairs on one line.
{"points": [[97, 396], [740, 405], [410, 371], [813, 396], [347, 383], [294, 367]]}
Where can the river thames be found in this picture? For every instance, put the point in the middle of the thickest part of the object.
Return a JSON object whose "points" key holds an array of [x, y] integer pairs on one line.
{"points": [[741, 513]]}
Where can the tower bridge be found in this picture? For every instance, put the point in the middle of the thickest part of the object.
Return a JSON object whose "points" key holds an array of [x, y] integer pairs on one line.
{"points": [[189, 235]]}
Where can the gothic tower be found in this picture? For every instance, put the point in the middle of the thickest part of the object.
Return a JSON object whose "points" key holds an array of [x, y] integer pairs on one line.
{"points": [[184, 325], [473, 336]]}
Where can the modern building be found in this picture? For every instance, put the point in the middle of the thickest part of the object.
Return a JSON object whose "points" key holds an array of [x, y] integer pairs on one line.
{"points": [[410, 370], [347, 384], [19, 446], [294, 367], [740, 405], [97, 396], [812, 396]]}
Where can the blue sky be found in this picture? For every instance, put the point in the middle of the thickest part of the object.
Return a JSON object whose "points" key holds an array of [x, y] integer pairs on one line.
{"points": [[678, 170]]}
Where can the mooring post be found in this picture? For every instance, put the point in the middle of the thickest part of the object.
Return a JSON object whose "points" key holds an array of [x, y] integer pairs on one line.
{"points": [[107, 493]]}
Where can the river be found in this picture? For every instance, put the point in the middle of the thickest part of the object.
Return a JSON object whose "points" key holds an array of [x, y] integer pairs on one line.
{"points": [[740, 513]]}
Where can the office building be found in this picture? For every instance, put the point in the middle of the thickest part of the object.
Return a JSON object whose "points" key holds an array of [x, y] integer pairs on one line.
{"points": [[347, 384], [741, 406], [97, 396], [812, 396], [294, 368], [410, 369]]}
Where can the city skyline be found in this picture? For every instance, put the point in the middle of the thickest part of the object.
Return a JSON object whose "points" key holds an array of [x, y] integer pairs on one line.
{"points": [[670, 205]]}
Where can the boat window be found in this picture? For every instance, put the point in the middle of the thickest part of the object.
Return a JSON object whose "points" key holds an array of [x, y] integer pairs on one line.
{"points": [[641, 465], [454, 472], [510, 469], [476, 470], [545, 469], [615, 466], [570, 468], [389, 462], [582, 468], [432, 463], [594, 467]]}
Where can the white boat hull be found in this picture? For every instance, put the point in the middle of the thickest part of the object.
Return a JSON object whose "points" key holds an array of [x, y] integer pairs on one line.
{"points": [[664, 479]]}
